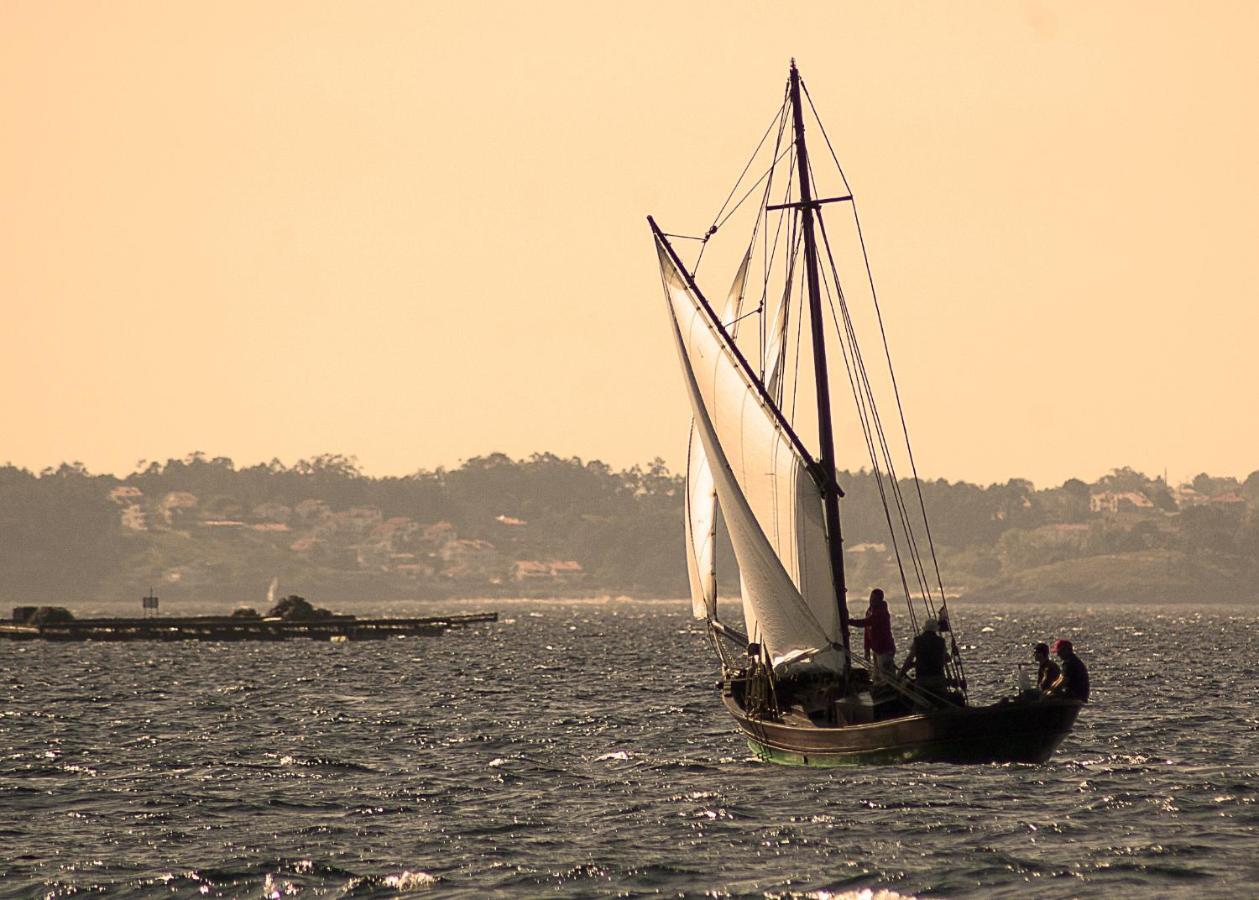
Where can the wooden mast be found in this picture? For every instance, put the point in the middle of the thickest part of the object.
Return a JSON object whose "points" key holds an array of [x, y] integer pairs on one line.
{"points": [[826, 461]]}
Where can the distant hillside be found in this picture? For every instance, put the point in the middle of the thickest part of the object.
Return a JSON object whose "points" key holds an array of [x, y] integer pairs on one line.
{"points": [[200, 528]]}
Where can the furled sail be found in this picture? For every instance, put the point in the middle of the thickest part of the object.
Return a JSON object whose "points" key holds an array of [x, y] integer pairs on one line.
{"points": [[771, 504]]}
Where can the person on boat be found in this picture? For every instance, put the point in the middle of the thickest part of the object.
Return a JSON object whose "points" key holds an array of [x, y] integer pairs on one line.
{"points": [[1047, 670], [927, 658], [1074, 680], [880, 645]]}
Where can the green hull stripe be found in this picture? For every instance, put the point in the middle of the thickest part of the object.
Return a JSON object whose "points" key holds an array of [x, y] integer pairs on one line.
{"points": [[766, 753]]}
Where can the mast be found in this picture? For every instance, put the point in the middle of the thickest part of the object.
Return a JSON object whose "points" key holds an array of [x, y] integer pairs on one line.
{"points": [[830, 489]]}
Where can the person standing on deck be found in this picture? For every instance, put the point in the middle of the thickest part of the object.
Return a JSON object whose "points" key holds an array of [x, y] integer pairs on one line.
{"points": [[927, 658], [879, 641], [1074, 680]]}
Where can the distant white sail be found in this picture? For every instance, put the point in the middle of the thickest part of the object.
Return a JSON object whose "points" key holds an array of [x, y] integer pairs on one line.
{"points": [[275, 583], [771, 505]]}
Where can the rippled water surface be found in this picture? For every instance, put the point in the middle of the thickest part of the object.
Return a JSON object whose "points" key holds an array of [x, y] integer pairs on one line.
{"points": [[581, 748]]}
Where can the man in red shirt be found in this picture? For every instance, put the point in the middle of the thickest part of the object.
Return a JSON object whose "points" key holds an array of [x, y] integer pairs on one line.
{"points": [[879, 642]]}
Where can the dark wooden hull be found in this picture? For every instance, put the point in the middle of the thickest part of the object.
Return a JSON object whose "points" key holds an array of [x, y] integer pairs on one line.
{"points": [[1009, 732]]}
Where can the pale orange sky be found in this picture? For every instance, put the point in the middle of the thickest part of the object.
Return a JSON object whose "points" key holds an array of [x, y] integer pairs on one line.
{"points": [[415, 232]]}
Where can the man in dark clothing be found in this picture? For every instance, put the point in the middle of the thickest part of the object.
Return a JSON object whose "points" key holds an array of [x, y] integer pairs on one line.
{"points": [[879, 642], [1047, 670], [927, 658], [1074, 680]]}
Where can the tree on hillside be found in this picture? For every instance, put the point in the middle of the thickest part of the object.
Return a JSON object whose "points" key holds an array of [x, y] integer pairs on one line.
{"points": [[1250, 490], [1076, 488], [1123, 480], [1074, 499], [1205, 529], [1211, 486], [60, 533]]}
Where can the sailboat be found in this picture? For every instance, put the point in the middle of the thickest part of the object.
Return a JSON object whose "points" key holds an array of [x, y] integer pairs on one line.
{"points": [[768, 470]]}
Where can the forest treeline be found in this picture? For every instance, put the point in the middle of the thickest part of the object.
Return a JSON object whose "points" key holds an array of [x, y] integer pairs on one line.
{"points": [[202, 527]]}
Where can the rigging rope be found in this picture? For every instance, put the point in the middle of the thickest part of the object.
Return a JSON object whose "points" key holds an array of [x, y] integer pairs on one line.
{"points": [[918, 564], [763, 217], [868, 410], [865, 256], [859, 401], [718, 221], [878, 431], [777, 117], [787, 220], [795, 378]]}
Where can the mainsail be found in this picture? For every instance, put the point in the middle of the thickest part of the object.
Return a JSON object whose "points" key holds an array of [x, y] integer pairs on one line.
{"points": [[771, 504]]}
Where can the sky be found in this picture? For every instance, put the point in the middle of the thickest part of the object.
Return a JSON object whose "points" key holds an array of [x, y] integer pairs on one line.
{"points": [[415, 232]]}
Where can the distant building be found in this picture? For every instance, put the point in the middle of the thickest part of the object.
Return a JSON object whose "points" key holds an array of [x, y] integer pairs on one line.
{"points": [[529, 570], [312, 511], [439, 534], [467, 558], [134, 519], [1119, 501], [510, 520], [357, 521], [271, 512], [1184, 495], [1061, 534], [126, 494], [177, 504], [867, 547], [537, 570], [414, 570]]}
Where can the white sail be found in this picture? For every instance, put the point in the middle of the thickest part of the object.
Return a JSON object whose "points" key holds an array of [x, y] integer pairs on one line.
{"points": [[701, 499], [775, 346], [701, 531], [771, 504], [734, 300]]}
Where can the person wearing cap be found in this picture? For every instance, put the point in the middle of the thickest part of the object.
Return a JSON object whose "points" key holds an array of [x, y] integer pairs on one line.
{"points": [[1074, 680], [1047, 671], [879, 642], [927, 658]]}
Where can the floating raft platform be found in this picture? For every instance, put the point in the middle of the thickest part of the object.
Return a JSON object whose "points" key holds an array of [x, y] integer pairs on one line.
{"points": [[240, 628]]}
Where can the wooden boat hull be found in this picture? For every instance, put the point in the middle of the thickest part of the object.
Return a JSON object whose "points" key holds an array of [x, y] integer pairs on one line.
{"points": [[1008, 732]]}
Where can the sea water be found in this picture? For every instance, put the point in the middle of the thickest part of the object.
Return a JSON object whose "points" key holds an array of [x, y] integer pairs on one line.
{"points": [[577, 749]]}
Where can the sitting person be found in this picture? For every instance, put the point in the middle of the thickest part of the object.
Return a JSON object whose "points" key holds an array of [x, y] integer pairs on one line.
{"points": [[879, 642], [1074, 680], [927, 658], [1047, 670]]}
